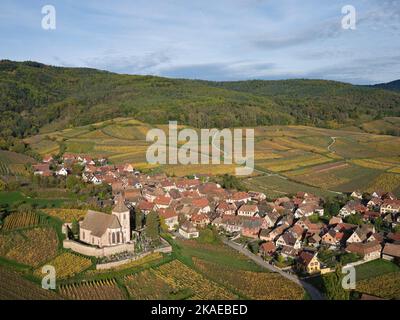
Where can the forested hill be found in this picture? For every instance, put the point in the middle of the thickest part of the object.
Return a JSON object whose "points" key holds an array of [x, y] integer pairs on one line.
{"points": [[34, 96], [394, 85]]}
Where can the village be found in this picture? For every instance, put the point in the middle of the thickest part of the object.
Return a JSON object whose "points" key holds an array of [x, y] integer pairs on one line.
{"points": [[300, 233]]}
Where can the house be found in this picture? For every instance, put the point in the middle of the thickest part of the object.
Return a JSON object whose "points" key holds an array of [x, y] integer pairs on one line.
{"points": [[352, 207], [162, 202], [374, 204], [390, 206], [357, 195], [394, 237], [240, 196], [332, 238], [257, 196], [391, 251], [308, 262], [102, 229], [247, 210], [305, 210], [267, 248], [225, 208], [289, 252], [335, 220], [314, 240], [145, 206], [202, 204], [289, 240], [200, 220], [251, 227], [272, 218], [369, 250], [229, 223], [188, 230], [361, 234], [48, 159], [42, 169], [62, 172], [170, 218]]}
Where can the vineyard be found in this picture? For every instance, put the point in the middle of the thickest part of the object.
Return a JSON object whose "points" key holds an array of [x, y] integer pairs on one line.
{"points": [[66, 215], [253, 285], [94, 290], [385, 286], [22, 220], [180, 277], [146, 285], [14, 163], [31, 247], [67, 265], [385, 182], [14, 287]]}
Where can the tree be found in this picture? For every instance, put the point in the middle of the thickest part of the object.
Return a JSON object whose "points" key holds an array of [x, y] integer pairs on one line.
{"points": [[354, 219], [153, 226], [333, 285], [231, 182], [75, 227], [138, 219]]}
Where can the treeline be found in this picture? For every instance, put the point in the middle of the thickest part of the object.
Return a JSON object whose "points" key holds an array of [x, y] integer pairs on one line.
{"points": [[34, 96]]}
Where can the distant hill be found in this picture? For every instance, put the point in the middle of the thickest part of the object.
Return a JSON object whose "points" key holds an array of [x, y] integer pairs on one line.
{"points": [[394, 85], [34, 96]]}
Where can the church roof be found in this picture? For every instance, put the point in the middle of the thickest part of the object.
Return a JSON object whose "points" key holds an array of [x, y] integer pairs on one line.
{"points": [[99, 222], [120, 205]]}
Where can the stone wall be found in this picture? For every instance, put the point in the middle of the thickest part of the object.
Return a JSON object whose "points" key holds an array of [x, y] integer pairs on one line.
{"points": [[97, 252]]}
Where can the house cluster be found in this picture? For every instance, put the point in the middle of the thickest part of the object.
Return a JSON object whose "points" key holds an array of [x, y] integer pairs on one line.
{"points": [[286, 226], [300, 239], [50, 167]]}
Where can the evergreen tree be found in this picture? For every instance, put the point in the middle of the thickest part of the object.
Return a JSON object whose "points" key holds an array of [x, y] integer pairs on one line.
{"points": [[333, 285], [75, 227], [153, 226], [138, 219]]}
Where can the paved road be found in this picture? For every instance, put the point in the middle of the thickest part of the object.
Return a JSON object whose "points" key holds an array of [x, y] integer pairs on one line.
{"points": [[314, 293]]}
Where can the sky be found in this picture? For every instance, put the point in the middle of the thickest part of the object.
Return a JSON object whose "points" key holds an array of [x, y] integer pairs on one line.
{"points": [[220, 40]]}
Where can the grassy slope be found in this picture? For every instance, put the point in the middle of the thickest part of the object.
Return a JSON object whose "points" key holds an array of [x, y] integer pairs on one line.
{"points": [[35, 96]]}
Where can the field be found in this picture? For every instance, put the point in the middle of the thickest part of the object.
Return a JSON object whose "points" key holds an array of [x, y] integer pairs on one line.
{"points": [[14, 163], [375, 268], [250, 284], [30, 247], [21, 220], [14, 287], [67, 265], [95, 290], [180, 277], [66, 215], [386, 286], [216, 253], [147, 285], [326, 159], [9, 198]]}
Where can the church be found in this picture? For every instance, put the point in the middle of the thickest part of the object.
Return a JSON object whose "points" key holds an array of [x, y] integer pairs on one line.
{"points": [[104, 230]]}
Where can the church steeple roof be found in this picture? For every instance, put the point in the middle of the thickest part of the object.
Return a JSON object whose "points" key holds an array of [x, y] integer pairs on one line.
{"points": [[120, 205]]}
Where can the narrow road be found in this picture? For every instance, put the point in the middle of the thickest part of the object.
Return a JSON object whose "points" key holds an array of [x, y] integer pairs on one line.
{"points": [[332, 143], [314, 293]]}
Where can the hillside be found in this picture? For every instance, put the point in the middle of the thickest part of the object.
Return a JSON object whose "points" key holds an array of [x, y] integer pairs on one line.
{"points": [[393, 85], [35, 97], [288, 159]]}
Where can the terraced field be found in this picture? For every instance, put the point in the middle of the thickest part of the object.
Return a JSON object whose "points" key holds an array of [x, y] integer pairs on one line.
{"points": [[325, 159], [14, 163]]}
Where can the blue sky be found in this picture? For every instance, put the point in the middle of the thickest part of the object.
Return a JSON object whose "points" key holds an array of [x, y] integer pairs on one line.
{"points": [[213, 40]]}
